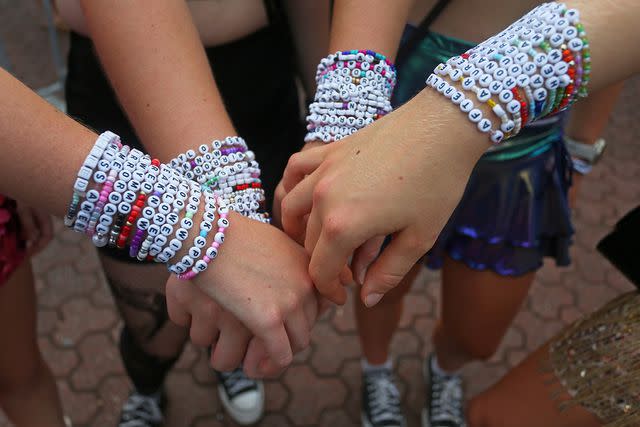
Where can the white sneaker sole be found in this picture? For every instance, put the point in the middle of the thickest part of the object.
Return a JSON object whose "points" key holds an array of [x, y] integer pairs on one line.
{"points": [[243, 417], [366, 423]]}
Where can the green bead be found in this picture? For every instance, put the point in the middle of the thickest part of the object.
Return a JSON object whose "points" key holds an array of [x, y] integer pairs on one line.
{"points": [[189, 215]]}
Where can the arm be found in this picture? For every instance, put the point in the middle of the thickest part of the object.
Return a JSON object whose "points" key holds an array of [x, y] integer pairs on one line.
{"points": [[426, 144], [155, 61], [309, 22]]}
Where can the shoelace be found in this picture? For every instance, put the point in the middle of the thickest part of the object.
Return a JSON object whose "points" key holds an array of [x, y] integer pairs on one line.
{"points": [[446, 399], [141, 411], [236, 381], [384, 398]]}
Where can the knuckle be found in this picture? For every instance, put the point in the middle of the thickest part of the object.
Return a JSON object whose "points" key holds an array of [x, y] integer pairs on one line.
{"points": [[388, 281], [322, 190], [335, 226]]}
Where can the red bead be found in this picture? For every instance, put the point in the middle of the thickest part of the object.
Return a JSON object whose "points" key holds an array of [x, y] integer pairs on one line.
{"points": [[139, 203], [155, 162], [131, 219], [126, 229], [149, 258], [465, 55]]}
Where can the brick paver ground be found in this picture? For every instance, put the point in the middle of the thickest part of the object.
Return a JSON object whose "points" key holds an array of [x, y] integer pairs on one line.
{"points": [[78, 323]]}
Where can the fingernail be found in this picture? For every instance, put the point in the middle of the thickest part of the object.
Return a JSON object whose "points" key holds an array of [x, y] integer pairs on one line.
{"points": [[372, 299], [361, 275]]}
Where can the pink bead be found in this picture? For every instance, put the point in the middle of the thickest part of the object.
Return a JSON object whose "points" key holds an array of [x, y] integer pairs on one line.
{"points": [[206, 259], [220, 230], [102, 198], [215, 245]]}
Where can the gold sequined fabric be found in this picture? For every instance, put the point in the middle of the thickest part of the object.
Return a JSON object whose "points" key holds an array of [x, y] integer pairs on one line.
{"points": [[597, 361]]}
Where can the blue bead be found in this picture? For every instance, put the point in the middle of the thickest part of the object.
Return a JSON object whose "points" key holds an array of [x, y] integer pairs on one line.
{"points": [[203, 233]]}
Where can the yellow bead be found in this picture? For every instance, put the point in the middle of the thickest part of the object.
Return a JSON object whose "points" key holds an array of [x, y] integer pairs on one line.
{"points": [[491, 103]]}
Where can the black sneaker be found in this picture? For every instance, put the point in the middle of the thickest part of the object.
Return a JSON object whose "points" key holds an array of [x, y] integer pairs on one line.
{"points": [[381, 400], [242, 397], [143, 410], [445, 399]]}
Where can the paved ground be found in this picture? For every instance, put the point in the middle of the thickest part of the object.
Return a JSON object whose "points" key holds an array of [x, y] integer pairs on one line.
{"points": [[78, 323]]}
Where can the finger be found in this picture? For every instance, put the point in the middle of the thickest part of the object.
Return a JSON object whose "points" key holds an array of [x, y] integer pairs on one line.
{"points": [[257, 363], [231, 346], [346, 276], [329, 257], [296, 205], [204, 322], [393, 264], [256, 353], [297, 327], [45, 228], [177, 311], [278, 348], [302, 164], [364, 256]]}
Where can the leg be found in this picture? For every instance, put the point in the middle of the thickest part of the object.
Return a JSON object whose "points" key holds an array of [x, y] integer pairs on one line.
{"points": [[483, 299], [523, 398], [377, 325], [28, 392], [150, 343]]}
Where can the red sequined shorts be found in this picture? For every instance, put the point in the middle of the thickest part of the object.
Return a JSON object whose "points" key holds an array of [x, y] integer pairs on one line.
{"points": [[12, 246]]}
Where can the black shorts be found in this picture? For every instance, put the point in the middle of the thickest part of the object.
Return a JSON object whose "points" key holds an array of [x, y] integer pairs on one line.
{"points": [[256, 78]]}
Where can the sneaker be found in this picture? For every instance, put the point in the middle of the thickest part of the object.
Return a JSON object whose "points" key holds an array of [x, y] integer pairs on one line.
{"points": [[380, 400], [445, 404], [242, 397], [143, 410]]}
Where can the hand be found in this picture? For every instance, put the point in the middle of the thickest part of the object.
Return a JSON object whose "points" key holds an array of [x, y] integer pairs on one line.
{"points": [[37, 229], [280, 192], [261, 278], [210, 326], [401, 176]]}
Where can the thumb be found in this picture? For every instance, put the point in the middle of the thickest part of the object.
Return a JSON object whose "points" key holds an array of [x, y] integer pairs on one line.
{"points": [[391, 266]]}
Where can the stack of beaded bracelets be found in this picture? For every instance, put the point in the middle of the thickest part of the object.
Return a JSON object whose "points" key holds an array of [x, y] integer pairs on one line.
{"points": [[230, 171], [354, 89], [537, 67], [125, 199]]}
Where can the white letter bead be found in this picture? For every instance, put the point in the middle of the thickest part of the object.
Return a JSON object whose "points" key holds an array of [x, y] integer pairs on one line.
{"points": [[201, 266], [540, 94], [497, 137], [475, 115], [458, 97], [513, 107], [199, 242], [507, 126], [219, 238], [466, 105], [211, 252], [468, 83], [505, 96], [483, 95], [80, 185], [195, 252], [175, 244], [484, 125], [182, 234]]}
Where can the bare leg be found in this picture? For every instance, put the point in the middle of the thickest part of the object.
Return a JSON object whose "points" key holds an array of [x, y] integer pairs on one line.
{"points": [[150, 342], [377, 325], [28, 393], [483, 299], [523, 398]]}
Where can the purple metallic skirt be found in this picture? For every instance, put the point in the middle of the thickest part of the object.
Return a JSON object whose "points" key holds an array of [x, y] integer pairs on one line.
{"points": [[512, 214]]}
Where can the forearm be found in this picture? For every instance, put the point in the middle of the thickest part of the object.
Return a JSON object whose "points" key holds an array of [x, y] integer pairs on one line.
{"points": [[588, 119], [369, 24], [309, 22], [155, 61], [608, 67], [42, 148]]}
